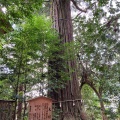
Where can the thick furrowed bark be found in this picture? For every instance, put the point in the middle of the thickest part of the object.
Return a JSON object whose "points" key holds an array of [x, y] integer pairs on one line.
{"points": [[70, 94]]}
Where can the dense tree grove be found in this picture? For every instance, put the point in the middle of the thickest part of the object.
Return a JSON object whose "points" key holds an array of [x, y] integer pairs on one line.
{"points": [[68, 50]]}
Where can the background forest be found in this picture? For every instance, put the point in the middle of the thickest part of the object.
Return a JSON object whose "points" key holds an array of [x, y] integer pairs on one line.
{"points": [[68, 50]]}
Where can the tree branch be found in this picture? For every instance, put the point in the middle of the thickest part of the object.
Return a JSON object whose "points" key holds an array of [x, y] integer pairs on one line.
{"points": [[112, 20], [77, 7], [75, 4]]}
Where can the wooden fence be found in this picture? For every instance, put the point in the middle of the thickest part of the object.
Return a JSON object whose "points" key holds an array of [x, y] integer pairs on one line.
{"points": [[7, 110]]}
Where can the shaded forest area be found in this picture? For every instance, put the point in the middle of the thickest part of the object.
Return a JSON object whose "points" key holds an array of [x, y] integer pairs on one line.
{"points": [[67, 50]]}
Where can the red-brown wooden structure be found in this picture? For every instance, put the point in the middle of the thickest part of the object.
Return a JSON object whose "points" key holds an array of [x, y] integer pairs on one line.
{"points": [[40, 108]]}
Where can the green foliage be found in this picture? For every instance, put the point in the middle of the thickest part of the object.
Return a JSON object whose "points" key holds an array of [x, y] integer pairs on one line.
{"points": [[17, 10], [27, 51], [91, 104], [98, 57], [5, 90], [56, 113]]}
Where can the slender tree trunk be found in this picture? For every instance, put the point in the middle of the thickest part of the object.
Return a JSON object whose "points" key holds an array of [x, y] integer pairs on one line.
{"points": [[25, 104], [99, 94], [16, 91], [69, 95], [104, 117], [20, 102]]}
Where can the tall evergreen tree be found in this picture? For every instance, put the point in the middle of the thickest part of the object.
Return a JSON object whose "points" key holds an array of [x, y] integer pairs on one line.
{"points": [[68, 97]]}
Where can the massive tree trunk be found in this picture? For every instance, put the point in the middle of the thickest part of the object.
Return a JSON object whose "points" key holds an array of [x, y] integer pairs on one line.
{"points": [[68, 98]]}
